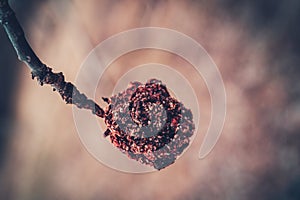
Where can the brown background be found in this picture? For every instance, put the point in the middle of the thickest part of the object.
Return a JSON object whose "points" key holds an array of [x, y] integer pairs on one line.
{"points": [[256, 47]]}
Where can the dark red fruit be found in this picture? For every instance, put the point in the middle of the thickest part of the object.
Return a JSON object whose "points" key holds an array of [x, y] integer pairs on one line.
{"points": [[147, 124]]}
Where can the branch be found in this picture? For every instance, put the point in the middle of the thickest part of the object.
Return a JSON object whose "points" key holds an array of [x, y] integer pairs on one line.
{"points": [[69, 93]]}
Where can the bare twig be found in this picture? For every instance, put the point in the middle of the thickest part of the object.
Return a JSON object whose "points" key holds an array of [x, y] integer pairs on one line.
{"points": [[69, 93]]}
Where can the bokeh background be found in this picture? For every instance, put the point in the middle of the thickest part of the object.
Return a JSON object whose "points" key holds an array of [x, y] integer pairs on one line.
{"points": [[256, 46]]}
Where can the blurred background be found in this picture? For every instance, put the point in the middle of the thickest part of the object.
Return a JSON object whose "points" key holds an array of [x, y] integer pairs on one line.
{"points": [[256, 46]]}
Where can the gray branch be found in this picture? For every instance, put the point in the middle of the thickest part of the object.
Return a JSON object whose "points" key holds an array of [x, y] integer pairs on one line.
{"points": [[69, 93]]}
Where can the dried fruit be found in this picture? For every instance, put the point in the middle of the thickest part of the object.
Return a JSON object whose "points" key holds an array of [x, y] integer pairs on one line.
{"points": [[148, 124]]}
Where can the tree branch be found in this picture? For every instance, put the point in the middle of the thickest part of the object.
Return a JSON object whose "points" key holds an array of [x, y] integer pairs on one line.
{"points": [[69, 93]]}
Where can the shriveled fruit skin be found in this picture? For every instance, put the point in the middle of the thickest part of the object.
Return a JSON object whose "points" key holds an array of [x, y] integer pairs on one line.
{"points": [[147, 124]]}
